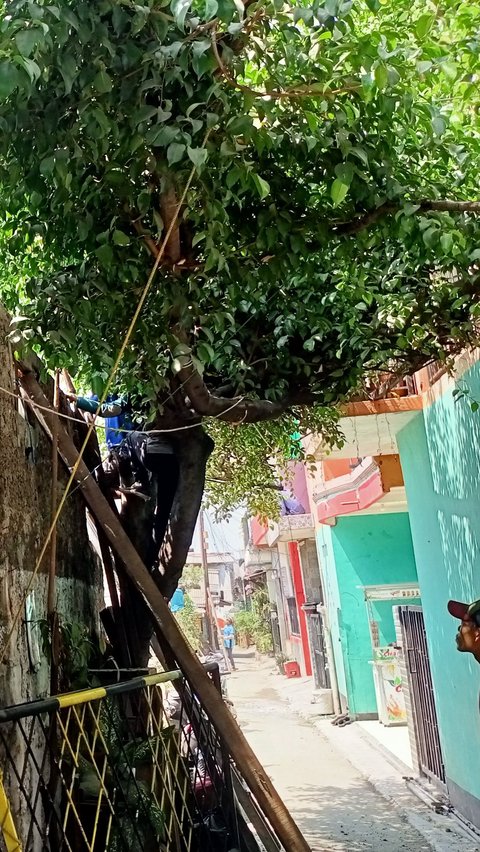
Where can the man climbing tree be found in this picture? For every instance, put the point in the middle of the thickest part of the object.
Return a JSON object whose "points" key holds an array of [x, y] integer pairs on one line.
{"points": [[314, 167]]}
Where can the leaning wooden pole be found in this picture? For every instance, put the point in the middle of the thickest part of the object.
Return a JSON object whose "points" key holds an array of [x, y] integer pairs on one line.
{"points": [[166, 626], [52, 568]]}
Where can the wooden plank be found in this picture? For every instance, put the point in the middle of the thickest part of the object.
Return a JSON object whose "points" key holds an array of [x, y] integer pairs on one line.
{"points": [[166, 627], [256, 818], [381, 406]]}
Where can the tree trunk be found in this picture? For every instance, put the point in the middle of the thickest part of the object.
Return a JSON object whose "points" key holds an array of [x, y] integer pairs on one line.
{"points": [[192, 448]]}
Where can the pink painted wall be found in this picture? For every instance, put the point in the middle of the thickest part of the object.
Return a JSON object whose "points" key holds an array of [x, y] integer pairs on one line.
{"points": [[299, 484]]}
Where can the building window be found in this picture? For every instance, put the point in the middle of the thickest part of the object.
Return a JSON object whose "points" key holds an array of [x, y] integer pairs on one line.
{"points": [[293, 616]]}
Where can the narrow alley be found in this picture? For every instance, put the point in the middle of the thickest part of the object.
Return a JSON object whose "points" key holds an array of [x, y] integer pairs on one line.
{"points": [[334, 804]]}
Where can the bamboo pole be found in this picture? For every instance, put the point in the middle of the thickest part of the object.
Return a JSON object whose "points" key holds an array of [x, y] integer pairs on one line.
{"points": [[53, 503], [206, 579], [52, 615], [219, 633], [166, 626], [107, 561]]}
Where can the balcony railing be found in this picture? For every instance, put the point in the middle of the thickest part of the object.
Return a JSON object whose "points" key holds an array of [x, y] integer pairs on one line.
{"points": [[291, 528]]}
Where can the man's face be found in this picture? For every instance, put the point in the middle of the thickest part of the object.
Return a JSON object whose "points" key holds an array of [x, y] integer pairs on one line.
{"points": [[468, 637]]}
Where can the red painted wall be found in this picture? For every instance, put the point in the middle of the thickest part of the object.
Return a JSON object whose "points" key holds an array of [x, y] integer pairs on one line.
{"points": [[297, 579]]}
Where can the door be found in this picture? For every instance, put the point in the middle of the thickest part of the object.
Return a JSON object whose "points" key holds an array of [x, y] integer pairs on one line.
{"points": [[277, 641], [321, 675], [414, 641]]}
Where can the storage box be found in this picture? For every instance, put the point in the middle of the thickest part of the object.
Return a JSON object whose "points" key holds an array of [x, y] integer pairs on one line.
{"points": [[291, 669]]}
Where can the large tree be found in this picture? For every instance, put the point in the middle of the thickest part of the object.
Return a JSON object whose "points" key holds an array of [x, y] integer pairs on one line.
{"points": [[329, 231]]}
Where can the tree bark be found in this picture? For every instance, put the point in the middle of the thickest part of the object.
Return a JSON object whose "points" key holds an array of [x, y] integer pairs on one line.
{"points": [[237, 410], [424, 205], [193, 448]]}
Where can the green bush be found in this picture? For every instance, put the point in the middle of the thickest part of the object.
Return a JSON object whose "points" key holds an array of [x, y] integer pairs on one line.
{"points": [[244, 623], [190, 623], [254, 624]]}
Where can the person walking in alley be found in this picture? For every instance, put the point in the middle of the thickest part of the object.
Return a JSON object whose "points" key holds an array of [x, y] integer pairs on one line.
{"points": [[468, 636], [229, 641]]}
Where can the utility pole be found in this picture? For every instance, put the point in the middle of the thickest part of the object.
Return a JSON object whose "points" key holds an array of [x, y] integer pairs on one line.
{"points": [[204, 557]]}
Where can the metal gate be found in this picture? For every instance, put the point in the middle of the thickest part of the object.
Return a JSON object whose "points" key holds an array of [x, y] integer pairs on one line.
{"points": [[318, 650], [421, 692], [277, 641]]}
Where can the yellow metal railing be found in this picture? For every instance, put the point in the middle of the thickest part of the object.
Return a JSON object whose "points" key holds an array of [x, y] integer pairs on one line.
{"points": [[113, 768]]}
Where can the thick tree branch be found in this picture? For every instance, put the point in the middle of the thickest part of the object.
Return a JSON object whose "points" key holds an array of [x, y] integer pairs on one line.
{"points": [[424, 205], [182, 265], [302, 90], [236, 410]]}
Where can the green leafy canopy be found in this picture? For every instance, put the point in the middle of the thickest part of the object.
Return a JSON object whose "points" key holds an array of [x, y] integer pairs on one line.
{"points": [[307, 254]]}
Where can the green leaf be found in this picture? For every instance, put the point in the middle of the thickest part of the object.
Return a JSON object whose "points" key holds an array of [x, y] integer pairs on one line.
{"points": [[47, 165], [446, 242], [381, 76], [143, 201], [84, 227], [179, 10], [409, 209], [424, 66], [69, 16], [262, 186], [68, 70], [120, 238], [205, 352], [344, 171], [450, 69], [424, 25], [102, 82], [144, 113], [211, 9], [175, 152], [338, 191], [360, 153], [312, 121], [198, 156], [26, 40], [105, 254], [161, 135], [439, 125], [430, 236], [31, 68], [8, 79]]}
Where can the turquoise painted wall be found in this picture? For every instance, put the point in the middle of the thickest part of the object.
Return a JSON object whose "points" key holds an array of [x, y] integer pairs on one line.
{"points": [[368, 549], [440, 456], [326, 560]]}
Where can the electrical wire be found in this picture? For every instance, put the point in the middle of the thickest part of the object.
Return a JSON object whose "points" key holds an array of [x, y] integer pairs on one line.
{"points": [[24, 401]]}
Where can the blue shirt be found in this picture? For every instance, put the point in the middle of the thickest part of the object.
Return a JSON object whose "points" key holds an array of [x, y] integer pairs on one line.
{"points": [[113, 410], [178, 600], [228, 635]]}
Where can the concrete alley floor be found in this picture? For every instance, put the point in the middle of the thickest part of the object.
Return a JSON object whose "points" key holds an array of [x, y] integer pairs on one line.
{"points": [[334, 804]]}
